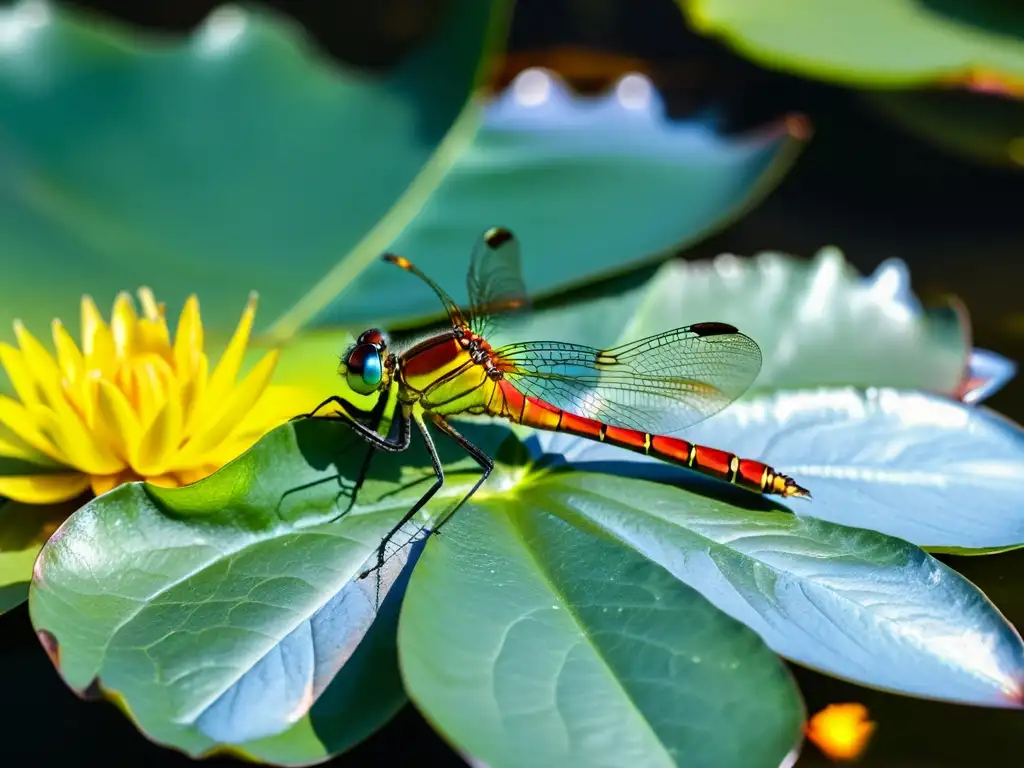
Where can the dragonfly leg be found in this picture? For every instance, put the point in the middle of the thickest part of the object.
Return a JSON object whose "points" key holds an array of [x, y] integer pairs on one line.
{"points": [[351, 410], [485, 462], [438, 482]]}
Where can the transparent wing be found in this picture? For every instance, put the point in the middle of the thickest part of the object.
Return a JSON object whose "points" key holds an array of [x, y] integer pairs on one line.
{"points": [[660, 384], [495, 281]]}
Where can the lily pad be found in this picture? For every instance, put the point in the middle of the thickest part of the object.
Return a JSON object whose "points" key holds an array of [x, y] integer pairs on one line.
{"points": [[218, 615], [570, 650], [939, 473], [818, 322], [550, 165], [987, 373], [854, 603], [875, 43], [262, 167]]}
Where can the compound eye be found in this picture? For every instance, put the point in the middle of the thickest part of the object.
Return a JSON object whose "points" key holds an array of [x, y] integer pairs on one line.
{"points": [[364, 369], [372, 336]]}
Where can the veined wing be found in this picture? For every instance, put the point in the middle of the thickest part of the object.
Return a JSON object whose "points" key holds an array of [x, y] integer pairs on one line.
{"points": [[494, 281], [660, 384]]}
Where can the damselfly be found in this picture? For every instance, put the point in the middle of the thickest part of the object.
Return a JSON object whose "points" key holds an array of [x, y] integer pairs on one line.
{"points": [[631, 396]]}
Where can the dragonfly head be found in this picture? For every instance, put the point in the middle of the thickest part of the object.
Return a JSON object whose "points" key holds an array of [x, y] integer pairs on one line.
{"points": [[364, 364]]}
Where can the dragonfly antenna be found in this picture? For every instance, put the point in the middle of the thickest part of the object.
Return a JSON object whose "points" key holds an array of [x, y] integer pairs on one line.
{"points": [[453, 309]]}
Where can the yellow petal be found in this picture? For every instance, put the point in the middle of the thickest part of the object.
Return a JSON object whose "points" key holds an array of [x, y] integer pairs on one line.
{"points": [[150, 392], [43, 489], [69, 357], [161, 438], [122, 324], [152, 328], [19, 374], [188, 340], [13, 447], [117, 426], [223, 377], [226, 421], [19, 420], [103, 483], [195, 474], [278, 404], [192, 393], [75, 445], [41, 365], [150, 309], [97, 341], [164, 481]]}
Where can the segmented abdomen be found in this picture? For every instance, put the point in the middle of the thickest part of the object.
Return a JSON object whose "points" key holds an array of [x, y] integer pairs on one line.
{"points": [[746, 473]]}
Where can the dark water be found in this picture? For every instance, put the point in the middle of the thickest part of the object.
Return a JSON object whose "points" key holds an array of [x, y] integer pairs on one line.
{"points": [[861, 184]]}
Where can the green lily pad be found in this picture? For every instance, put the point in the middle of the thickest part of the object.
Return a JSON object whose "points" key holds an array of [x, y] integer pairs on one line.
{"points": [[225, 615], [570, 650], [982, 127], [236, 159], [839, 599], [818, 322], [218, 615], [259, 166], [875, 43]]}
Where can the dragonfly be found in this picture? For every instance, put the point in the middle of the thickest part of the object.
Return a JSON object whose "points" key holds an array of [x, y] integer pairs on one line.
{"points": [[633, 396]]}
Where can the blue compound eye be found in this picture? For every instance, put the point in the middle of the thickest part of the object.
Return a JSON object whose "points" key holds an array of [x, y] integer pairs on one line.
{"points": [[365, 369]]}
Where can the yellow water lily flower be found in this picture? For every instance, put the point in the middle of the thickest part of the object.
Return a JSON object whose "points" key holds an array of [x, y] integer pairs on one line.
{"points": [[131, 404]]}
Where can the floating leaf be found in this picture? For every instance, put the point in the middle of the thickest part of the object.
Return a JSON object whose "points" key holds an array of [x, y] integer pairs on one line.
{"points": [[262, 167], [529, 642], [219, 614], [550, 165], [818, 323], [875, 43], [987, 373], [854, 603], [925, 468]]}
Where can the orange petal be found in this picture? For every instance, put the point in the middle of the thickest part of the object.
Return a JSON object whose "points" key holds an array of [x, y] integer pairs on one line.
{"points": [[841, 731], [43, 489]]}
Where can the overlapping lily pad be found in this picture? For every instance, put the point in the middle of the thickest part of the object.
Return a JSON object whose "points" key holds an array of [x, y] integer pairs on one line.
{"points": [[217, 615], [596, 654], [876, 43], [261, 166], [818, 322]]}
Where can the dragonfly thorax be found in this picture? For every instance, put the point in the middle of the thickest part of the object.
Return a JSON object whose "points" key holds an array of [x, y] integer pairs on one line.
{"points": [[479, 350]]}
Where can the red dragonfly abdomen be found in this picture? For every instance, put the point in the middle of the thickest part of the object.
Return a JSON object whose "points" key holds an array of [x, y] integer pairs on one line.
{"points": [[746, 473]]}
